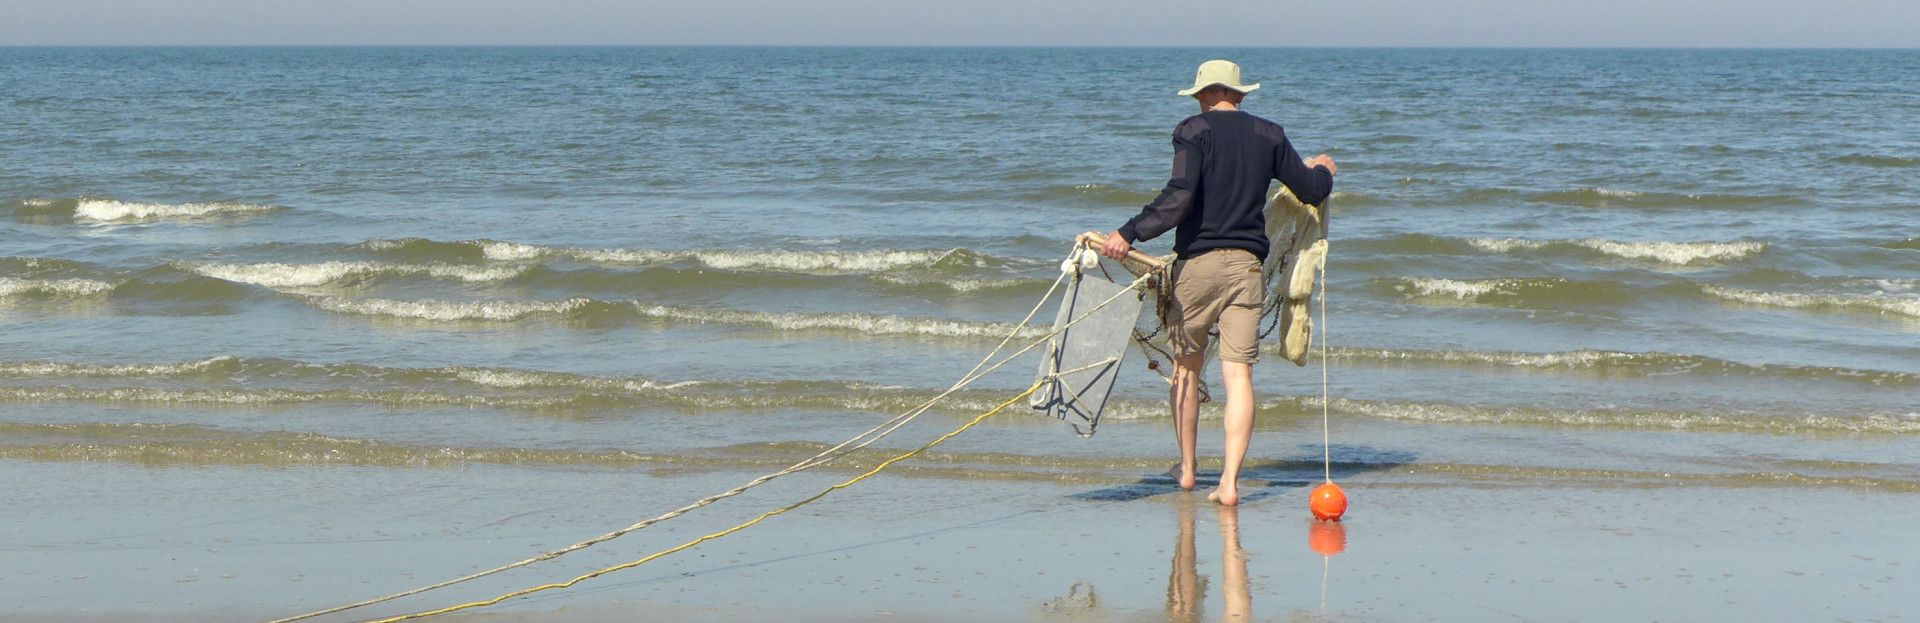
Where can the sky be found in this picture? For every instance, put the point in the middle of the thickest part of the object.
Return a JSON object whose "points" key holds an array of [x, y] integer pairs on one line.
{"points": [[1250, 23]]}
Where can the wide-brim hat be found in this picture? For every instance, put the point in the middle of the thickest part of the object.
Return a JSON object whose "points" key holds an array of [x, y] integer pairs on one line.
{"points": [[1223, 73]]}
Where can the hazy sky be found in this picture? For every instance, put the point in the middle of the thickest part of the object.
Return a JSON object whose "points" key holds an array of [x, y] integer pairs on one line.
{"points": [[1603, 23]]}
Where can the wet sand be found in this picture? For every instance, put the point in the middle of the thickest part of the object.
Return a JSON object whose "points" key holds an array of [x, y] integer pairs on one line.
{"points": [[109, 543]]}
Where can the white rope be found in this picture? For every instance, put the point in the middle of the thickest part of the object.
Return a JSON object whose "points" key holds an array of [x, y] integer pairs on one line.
{"points": [[1326, 430], [846, 447]]}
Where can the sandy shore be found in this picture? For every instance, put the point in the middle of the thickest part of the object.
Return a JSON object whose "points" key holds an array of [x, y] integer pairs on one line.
{"points": [[114, 543]]}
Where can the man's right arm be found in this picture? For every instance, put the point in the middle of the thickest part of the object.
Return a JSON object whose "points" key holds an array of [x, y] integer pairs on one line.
{"points": [[1175, 201], [1310, 183]]}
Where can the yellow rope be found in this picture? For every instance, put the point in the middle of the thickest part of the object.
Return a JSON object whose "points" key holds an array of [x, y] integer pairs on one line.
{"points": [[749, 523]]}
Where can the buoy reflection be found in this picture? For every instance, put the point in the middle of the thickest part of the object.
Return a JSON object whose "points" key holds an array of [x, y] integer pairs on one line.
{"points": [[1328, 539]]}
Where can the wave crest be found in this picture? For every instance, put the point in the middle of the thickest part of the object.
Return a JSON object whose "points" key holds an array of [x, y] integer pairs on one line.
{"points": [[1872, 303], [449, 311], [278, 275], [1674, 253], [10, 286], [825, 262], [589, 309], [110, 210], [861, 323]]}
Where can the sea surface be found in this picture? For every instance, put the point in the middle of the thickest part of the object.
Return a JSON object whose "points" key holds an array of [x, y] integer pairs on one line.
{"points": [[1593, 269]]}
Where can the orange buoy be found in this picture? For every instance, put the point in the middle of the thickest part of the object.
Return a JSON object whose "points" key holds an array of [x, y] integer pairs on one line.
{"points": [[1327, 538], [1327, 502]]}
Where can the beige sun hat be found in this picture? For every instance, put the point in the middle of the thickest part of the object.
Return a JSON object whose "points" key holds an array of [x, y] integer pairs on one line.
{"points": [[1220, 72]]}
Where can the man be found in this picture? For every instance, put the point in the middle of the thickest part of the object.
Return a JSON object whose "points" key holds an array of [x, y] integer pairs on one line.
{"points": [[1223, 160]]}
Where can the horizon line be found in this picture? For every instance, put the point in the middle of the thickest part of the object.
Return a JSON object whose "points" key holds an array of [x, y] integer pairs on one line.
{"points": [[950, 46]]}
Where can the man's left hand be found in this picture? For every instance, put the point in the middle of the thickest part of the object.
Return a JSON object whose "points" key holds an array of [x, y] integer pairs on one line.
{"points": [[1116, 247]]}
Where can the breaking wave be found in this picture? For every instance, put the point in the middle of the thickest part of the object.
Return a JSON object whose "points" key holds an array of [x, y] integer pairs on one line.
{"points": [[278, 275], [1779, 423], [861, 323], [1888, 304], [784, 261], [590, 309], [1675, 253], [52, 287], [453, 311], [960, 285], [113, 210], [60, 370], [1510, 291], [1615, 363]]}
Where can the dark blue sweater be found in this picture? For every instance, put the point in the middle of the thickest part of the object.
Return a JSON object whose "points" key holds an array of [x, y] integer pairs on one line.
{"points": [[1222, 163]]}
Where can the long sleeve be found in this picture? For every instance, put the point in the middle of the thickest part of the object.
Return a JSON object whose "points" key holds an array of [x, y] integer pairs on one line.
{"points": [[1311, 185], [1175, 201]]}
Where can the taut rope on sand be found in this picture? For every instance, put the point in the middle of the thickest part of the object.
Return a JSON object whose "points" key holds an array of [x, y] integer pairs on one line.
{"points": [[852, 444]]}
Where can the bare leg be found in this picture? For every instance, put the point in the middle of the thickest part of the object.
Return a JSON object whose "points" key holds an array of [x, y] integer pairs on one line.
{"points": [[1184, 397], [1238, 378]]}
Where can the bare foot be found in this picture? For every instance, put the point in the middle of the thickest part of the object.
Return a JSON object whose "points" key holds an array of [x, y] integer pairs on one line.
{"points": [[1224, 496], [1181, 475]]}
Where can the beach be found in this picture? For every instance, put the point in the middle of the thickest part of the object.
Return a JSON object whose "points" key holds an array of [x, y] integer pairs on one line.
{"points": [[1418, 547], [1614, 335]]}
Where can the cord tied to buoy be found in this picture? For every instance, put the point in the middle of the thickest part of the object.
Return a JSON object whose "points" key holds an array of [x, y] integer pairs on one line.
{"points": [[1327, 502]]}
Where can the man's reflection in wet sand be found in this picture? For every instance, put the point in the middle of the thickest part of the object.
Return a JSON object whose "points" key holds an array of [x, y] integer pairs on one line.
{"points": [[1187, 589]]}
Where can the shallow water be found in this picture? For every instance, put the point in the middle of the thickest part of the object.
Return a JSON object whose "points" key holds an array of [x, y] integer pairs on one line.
{"points": [[1583, 269]]}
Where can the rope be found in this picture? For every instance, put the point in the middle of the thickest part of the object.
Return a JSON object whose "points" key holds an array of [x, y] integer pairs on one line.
{"points": [[1326, 430], [852, 444], [741, 526], [825, 456]]}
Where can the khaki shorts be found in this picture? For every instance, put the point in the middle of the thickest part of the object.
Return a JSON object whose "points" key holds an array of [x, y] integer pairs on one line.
{"points": [[1220, 286]]}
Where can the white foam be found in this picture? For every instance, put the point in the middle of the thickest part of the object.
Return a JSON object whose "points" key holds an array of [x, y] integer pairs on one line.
{"points": [[1893, 286], [789, 261], [10, 286], [1619, 194], [111, 210], [1676, 253], [1442, 413], [447, 311], [862, 323], [277, 275], [1506, 245], [385, 245], [495, 250], [957, 285], [1882, 303], [792, 261], [520, 379], [57, 369], [1564, 359], [503, 378], [1463, 290]]}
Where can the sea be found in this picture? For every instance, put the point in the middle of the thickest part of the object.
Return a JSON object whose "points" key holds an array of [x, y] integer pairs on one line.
{"points": [[285, 270]]}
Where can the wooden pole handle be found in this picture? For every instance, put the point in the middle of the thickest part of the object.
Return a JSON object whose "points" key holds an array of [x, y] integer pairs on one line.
{"points": [[1096, 240]]}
